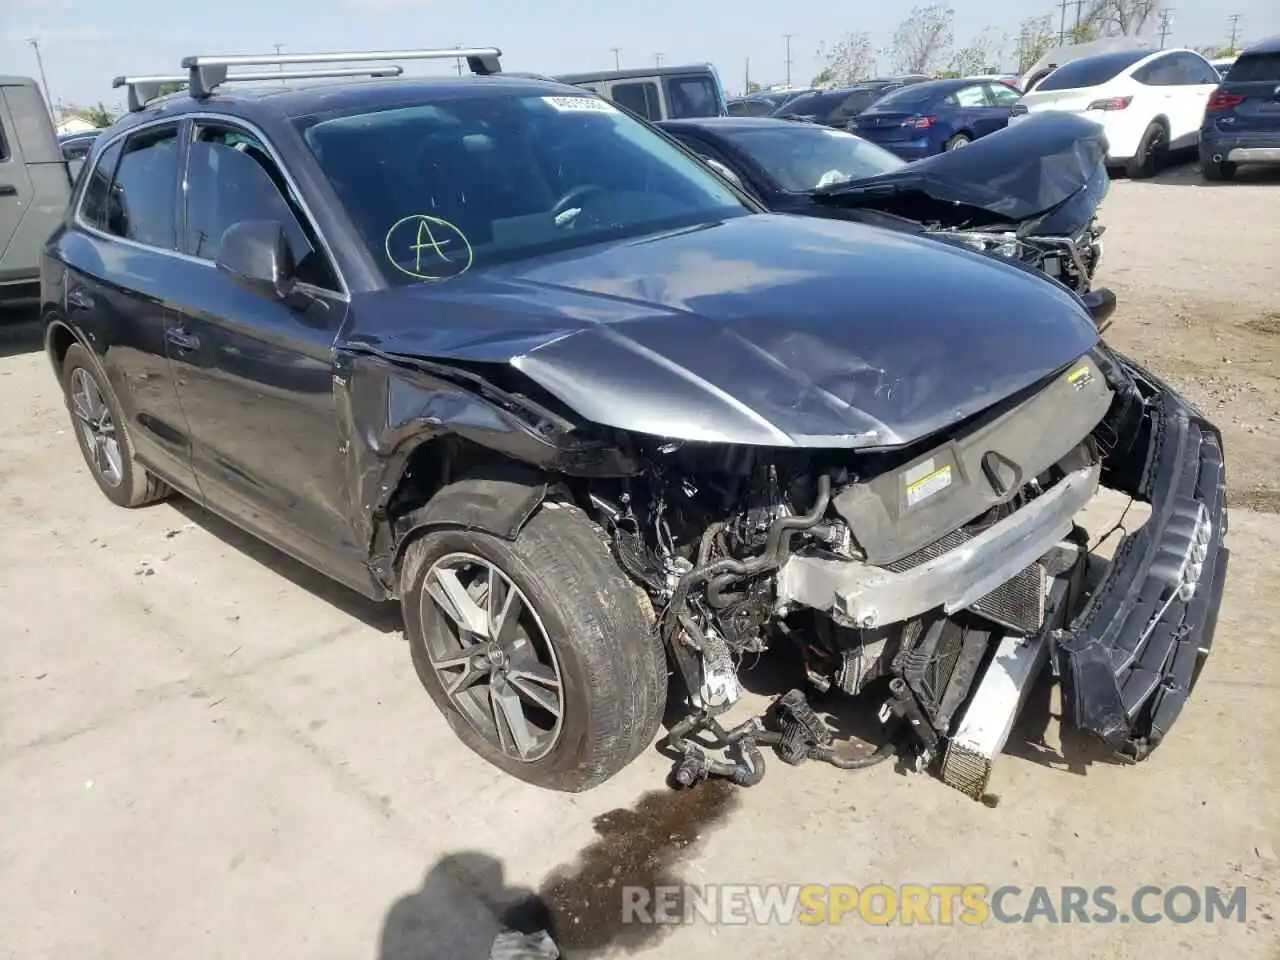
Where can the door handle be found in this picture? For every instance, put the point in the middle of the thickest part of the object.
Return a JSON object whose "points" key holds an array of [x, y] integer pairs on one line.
{"points": [[79, 300], [181, 339], [8, 190]]}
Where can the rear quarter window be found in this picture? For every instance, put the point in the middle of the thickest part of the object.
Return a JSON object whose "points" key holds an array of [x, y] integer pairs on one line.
{"points": [[1091, 71], [1255, 68]]}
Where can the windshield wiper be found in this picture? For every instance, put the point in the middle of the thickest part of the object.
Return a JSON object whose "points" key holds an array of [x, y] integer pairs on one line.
{"points": [[858, 190]]}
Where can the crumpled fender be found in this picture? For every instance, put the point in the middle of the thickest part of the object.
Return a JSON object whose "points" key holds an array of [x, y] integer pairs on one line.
{"points": [[497, 499]]}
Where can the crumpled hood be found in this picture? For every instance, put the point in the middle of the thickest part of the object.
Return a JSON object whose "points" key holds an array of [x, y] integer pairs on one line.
{"points": [[1018, 173], [768, 330]]}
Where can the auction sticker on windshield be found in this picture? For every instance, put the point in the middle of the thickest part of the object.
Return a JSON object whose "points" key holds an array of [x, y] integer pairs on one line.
{"points": [[580, 104]]}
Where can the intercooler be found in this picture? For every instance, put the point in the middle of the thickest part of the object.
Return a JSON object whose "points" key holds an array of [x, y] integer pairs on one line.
{"points": [[1017, 603]]}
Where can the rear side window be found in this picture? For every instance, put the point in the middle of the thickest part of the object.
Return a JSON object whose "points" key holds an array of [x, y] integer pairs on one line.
{"points": [[1256, 68], [1002, 95], [1161, 72], [640, 98], [100, 208], [146, 186], [1091, 71], [692, 97], [4, 145], [969, 97]]}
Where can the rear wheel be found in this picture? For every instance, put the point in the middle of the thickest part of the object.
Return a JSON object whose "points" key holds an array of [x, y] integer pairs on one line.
{"points": [[1217, 171], [959, 141], [540, 652], [102, 434], [1153, 148]]}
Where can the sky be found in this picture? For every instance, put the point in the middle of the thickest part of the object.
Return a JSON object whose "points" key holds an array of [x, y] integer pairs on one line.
{"points": [[84, 43]]}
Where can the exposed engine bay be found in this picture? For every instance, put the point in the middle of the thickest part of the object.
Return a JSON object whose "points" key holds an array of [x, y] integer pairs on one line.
{"points": [[947, 574]]}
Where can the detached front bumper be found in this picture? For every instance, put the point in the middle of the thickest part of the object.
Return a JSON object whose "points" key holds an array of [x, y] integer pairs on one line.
{"points": [[1131, 658]]}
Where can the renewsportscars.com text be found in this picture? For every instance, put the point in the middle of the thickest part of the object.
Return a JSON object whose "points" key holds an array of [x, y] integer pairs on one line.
{"points": [[941, 904]]}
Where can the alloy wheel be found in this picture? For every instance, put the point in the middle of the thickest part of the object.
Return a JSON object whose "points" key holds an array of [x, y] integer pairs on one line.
{"points": [[491, 655], [97, 427]]}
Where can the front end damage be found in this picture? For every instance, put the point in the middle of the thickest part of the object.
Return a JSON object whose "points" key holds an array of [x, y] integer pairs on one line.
{"points": [[943, 577]]}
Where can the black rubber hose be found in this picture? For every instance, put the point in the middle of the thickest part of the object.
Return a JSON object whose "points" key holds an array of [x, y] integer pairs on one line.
{"points": [[777, 546], [750, 771], [828, 755]]}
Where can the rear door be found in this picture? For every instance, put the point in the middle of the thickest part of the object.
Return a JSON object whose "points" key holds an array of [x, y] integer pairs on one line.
{"points": [[1250, 97], [1001, 97], [641, 97], [971, 110], [34, 184]]}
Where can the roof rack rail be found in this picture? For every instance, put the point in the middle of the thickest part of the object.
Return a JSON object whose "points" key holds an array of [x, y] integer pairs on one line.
{"points": [[144, 89], [207, 72]]}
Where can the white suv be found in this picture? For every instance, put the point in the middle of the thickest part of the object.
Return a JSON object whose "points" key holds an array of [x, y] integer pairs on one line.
{"points": [[1148, 101]]}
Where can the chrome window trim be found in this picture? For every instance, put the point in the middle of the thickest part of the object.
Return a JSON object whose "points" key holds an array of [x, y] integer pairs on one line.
{"points": [[227, 120]]}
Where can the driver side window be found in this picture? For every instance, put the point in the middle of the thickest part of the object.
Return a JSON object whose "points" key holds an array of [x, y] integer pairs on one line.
{"points": [[231, 178]]}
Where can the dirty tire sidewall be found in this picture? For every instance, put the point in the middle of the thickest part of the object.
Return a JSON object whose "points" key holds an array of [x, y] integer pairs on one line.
{"points": [[958, 142], [137, 486], [612, 665]]}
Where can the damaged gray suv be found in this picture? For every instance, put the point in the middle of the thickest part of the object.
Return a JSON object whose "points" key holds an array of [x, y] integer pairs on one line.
{"points": [[605, 428]]}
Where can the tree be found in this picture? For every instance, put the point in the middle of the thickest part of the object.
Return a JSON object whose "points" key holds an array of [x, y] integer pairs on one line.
{"points": [[165, 89], [922, 42], [825, 78], [1120, 17], [851, 59], [982, 53], [1036, 37], [99, 116]]}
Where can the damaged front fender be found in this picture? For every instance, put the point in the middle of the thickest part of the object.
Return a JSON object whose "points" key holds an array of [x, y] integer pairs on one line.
{"points": [[413, 431]]}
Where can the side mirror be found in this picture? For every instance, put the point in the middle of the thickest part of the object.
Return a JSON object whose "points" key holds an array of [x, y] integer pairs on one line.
{"points": [[1101, 304], [721, 169], [255, 254]]}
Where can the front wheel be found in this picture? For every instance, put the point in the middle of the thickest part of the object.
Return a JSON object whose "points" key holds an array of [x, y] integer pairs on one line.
{"points": [[539, 651]]}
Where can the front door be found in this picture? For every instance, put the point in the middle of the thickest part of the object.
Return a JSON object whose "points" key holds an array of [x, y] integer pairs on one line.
{"points": [[255, 375]]}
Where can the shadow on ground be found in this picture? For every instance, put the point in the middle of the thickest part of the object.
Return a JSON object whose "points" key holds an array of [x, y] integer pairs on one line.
{"points": [[1039, 735], [1184, 171], [598, 902], [383, 617], [21, 331]]}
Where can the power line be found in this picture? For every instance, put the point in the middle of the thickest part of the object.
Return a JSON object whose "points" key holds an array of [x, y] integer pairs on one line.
{"points": [[787, 37], [1235, 27]]}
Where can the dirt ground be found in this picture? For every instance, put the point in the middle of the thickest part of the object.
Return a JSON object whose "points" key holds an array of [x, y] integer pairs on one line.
{"points": [[208, 751]]}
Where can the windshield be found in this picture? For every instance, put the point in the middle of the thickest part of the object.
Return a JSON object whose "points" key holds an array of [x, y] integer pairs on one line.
{"points": [[1091, 71], [1256, 67], [437, 189], [803, 159], [911, 97]]}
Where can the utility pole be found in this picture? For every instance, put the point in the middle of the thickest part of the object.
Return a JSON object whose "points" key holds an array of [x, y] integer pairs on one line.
{"points": [[1166, 17], [787, 37], [1079, 16], [457, 61], [279, 66], [657, 59], [1235, 27], [1062, 23], [617, 57], [746, 78], [44, 81]]}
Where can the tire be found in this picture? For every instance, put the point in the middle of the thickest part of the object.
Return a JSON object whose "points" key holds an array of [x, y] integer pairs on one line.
{"points": [[1152, 149], [597, 636], [119, 475], [957, 142], [1217, 172]]}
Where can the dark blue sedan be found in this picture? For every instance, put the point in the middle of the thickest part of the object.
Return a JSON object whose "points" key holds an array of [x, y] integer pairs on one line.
{"points": [[929, 118]]}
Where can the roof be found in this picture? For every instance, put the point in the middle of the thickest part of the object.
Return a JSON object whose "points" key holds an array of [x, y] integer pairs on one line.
{"points": [[16, 81], [1266, 45], [634, 74], [301, 99]]}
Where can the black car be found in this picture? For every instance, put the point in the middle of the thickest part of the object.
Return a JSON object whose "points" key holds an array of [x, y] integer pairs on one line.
{"points": [[762, 103], [835, 108], [496, 349], [1029, 193]]}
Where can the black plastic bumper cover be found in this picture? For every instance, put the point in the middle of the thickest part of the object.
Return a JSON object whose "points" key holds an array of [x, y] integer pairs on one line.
{"points": [[1132, 657]]}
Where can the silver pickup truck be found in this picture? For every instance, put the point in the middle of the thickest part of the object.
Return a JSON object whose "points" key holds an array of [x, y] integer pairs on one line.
{"points": [[35, 185]]}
